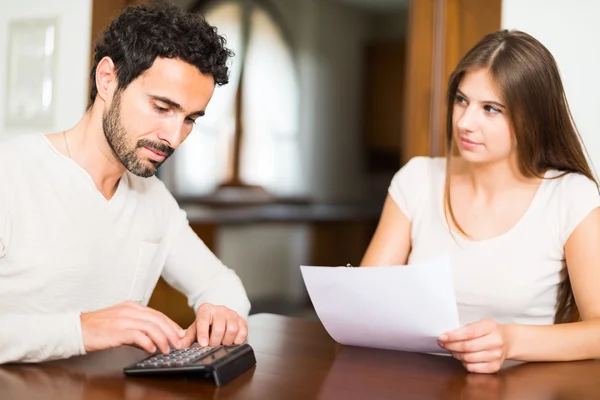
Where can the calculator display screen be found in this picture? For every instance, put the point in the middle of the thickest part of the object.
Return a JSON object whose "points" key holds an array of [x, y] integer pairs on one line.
{"points": [[215, 355]]}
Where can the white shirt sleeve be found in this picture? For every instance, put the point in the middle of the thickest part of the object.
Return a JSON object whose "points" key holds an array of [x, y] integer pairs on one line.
{"points": [[5, 220], [406, 186], [195, 271], [579, 196], [5, 228], [33, 337], [43, 337]]}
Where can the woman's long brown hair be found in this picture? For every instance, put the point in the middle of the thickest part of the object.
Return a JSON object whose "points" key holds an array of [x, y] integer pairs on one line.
{"points": [[527, 76]]}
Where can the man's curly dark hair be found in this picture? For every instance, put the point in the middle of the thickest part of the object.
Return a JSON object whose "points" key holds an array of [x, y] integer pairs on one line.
{"points": [[142, 33]]}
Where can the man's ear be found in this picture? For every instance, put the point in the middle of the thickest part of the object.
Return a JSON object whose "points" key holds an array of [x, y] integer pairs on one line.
{"points": [[106, 79]]}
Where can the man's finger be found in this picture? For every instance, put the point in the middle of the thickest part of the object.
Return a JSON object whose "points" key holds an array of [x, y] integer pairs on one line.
{"points": [[217, 329], [171, 330], [174, 325], [152, 331], [231, 330], [139, 339], [203, 321], [242, 334], [189, 337]]}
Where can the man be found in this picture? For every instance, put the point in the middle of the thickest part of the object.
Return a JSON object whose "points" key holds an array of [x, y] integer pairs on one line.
{"points": [[85, 227]]}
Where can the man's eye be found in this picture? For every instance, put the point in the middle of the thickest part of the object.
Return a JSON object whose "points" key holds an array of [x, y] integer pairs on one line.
{"points": [[160, 109]]}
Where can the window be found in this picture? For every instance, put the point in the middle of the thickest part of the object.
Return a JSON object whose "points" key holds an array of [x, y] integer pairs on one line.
{"points": [[263, 87]]}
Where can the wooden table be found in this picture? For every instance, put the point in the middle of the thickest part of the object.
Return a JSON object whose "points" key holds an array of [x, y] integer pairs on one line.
{"points": [[298, 360]]}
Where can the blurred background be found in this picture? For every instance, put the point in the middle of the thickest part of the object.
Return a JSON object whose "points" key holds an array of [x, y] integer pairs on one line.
{"points": [[327, 100]]}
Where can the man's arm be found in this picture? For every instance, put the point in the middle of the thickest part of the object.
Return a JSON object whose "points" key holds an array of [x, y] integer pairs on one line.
{"points": [[43, 337], [31, 337], [195, 271], [39, 337], [28, 337]]}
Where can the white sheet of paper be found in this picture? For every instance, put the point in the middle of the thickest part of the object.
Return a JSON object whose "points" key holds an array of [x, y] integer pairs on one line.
{"points": [[393, 307]]}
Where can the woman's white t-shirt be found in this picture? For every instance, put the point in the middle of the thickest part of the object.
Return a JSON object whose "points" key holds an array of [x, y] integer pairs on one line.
{"points": [[511, 278]]}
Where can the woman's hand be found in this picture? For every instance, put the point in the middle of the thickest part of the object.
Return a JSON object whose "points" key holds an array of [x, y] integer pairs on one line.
{"points": [[481, 346]]}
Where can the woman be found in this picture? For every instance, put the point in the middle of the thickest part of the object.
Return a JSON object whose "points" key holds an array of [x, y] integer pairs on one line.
{"points": [[516, 207]]}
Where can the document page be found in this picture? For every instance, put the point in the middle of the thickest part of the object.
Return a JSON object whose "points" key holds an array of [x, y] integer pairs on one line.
{"points": [[389, 307]]}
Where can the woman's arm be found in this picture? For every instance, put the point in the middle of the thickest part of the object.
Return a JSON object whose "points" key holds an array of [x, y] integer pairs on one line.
{"points": [[578, 340], [482, 346], [392, 241]]}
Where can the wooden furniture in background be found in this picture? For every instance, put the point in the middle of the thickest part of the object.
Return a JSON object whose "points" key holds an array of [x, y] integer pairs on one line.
{"points": [[171, 302], [297, 359], [417, 95], [383, 111], [440, 32], [103, 12], [340, 242], [338, 235]]}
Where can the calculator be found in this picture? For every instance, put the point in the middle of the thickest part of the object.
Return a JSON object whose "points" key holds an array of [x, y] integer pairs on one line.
{"points": [[219, 364]]}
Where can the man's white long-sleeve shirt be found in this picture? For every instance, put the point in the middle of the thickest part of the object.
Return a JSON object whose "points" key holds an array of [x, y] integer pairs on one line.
{"points": [[65, 249]]}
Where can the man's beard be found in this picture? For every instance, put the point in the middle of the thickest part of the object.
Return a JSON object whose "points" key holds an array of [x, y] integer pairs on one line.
{"points": [[128, 155]]}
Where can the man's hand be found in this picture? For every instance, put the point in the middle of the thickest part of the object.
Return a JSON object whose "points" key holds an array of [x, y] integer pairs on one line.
{"points": [[481, 346], [216, 325], [130, 323]]}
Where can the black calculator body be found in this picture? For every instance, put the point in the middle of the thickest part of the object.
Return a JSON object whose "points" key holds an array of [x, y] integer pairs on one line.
{"points": [[220, 364]]}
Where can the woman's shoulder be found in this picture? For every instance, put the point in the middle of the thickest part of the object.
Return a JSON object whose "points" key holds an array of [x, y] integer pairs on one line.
{"points": [[416, 184], [424, 166], [420, 172], [570, 197], [571, 183]]}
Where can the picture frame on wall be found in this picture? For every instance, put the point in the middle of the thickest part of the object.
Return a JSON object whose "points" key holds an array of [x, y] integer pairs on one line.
{"points": [[30, 90]]}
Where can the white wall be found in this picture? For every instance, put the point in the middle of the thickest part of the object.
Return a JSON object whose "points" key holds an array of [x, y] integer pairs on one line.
{"points": [[73, 55], [570, 30]]}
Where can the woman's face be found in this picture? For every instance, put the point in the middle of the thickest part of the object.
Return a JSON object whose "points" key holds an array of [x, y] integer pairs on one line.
{"points": [[481, 128]]}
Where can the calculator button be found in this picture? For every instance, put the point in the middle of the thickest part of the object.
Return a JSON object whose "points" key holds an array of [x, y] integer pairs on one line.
{"points": [[179, 358]]}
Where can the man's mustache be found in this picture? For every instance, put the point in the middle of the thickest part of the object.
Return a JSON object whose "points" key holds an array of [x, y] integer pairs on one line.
{"points": [[158, 146]]}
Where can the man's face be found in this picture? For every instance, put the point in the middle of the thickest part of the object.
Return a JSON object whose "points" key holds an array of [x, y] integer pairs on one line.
{"points": [[147, 121]]}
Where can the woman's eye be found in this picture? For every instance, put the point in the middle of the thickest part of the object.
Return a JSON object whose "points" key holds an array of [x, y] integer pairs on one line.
{"points": [[491, 110]]}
